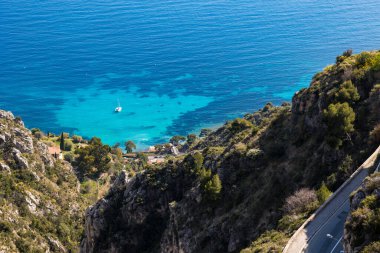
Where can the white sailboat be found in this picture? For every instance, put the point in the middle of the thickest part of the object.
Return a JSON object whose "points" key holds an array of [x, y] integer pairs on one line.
{"points": [[118, 108]]}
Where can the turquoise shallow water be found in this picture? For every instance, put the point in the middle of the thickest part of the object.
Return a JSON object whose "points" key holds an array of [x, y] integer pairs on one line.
{"points": [[144, 117], [175, 66]]}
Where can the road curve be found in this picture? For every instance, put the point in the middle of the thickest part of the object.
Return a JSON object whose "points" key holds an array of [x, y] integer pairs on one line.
{"points": [[330, 217]]}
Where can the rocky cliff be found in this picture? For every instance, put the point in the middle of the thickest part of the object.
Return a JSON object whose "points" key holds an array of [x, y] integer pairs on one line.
{"points": [[362, 228], [230, 188], [40, 207]]}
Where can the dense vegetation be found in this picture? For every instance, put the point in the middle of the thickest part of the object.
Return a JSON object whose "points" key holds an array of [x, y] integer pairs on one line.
{"points": [[235, 184], [362, 227]]}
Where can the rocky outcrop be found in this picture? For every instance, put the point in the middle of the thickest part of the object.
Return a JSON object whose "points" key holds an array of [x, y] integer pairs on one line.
{"points": [[166, 211], [17, 143], [23, 141], [40, 207], [361, 227], [21, 162], [4, 167], [134, 214], [6, 115], [257, 162]]}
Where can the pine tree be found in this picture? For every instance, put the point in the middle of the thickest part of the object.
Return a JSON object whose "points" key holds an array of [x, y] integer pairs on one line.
{"points": [[62, 142], [213, 187], [323, 193], [130, 146], [347, 92], [340, 119]]}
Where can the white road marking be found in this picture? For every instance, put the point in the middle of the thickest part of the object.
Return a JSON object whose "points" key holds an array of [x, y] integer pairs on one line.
{"points": [[336, 245]]}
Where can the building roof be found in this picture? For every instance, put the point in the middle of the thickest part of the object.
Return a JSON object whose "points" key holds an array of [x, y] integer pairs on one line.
{"points": [[54, 150], [129, 155]]}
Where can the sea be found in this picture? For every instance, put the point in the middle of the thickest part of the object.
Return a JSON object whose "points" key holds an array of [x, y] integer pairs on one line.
{"points": [[174, 66]]}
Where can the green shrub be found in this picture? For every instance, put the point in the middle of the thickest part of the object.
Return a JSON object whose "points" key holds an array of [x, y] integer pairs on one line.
{"points": [[254, 153], [69, 157], [372, 183], [268, 107], [363, 59], [89, 189], [193, 162], [369, 202], [331, 180], [348, 52], [77, 138], [213, 188], [204, 132], [129, 146], [210, 185], [290, 223], [372, 248], [5, 227], [177, 139], [35, 130], [345, 55], [239, 125], [376, 63], [339, 118], [191, 138], [323, 193], [23, 246], [240, 148], [63, 230], [68, 145], [42, 224], [271, 241], [375, 89], [255, 130], [204, 176], [347, 92], [198, 160], [213, 151], [93, 159], [37, 133]]}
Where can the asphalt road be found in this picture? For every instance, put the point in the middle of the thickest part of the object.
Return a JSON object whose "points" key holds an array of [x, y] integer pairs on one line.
{"points": [[329, 219], [334, 225]]}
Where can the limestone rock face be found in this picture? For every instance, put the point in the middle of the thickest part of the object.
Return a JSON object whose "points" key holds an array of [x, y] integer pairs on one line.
{"points": [[39, 194], [18, 143], [165, 212], [47, 159], [21, 162], [6, 115], [131, 213], [23, 141], [4, 167]]}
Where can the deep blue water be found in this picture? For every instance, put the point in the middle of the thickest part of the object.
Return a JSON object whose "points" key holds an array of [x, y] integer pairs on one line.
{"points": [[175, 65]]}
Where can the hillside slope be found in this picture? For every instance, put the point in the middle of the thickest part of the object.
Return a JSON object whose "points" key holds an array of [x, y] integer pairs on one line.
{"points": [[40, 207], [362, 228], [234, 186]]}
